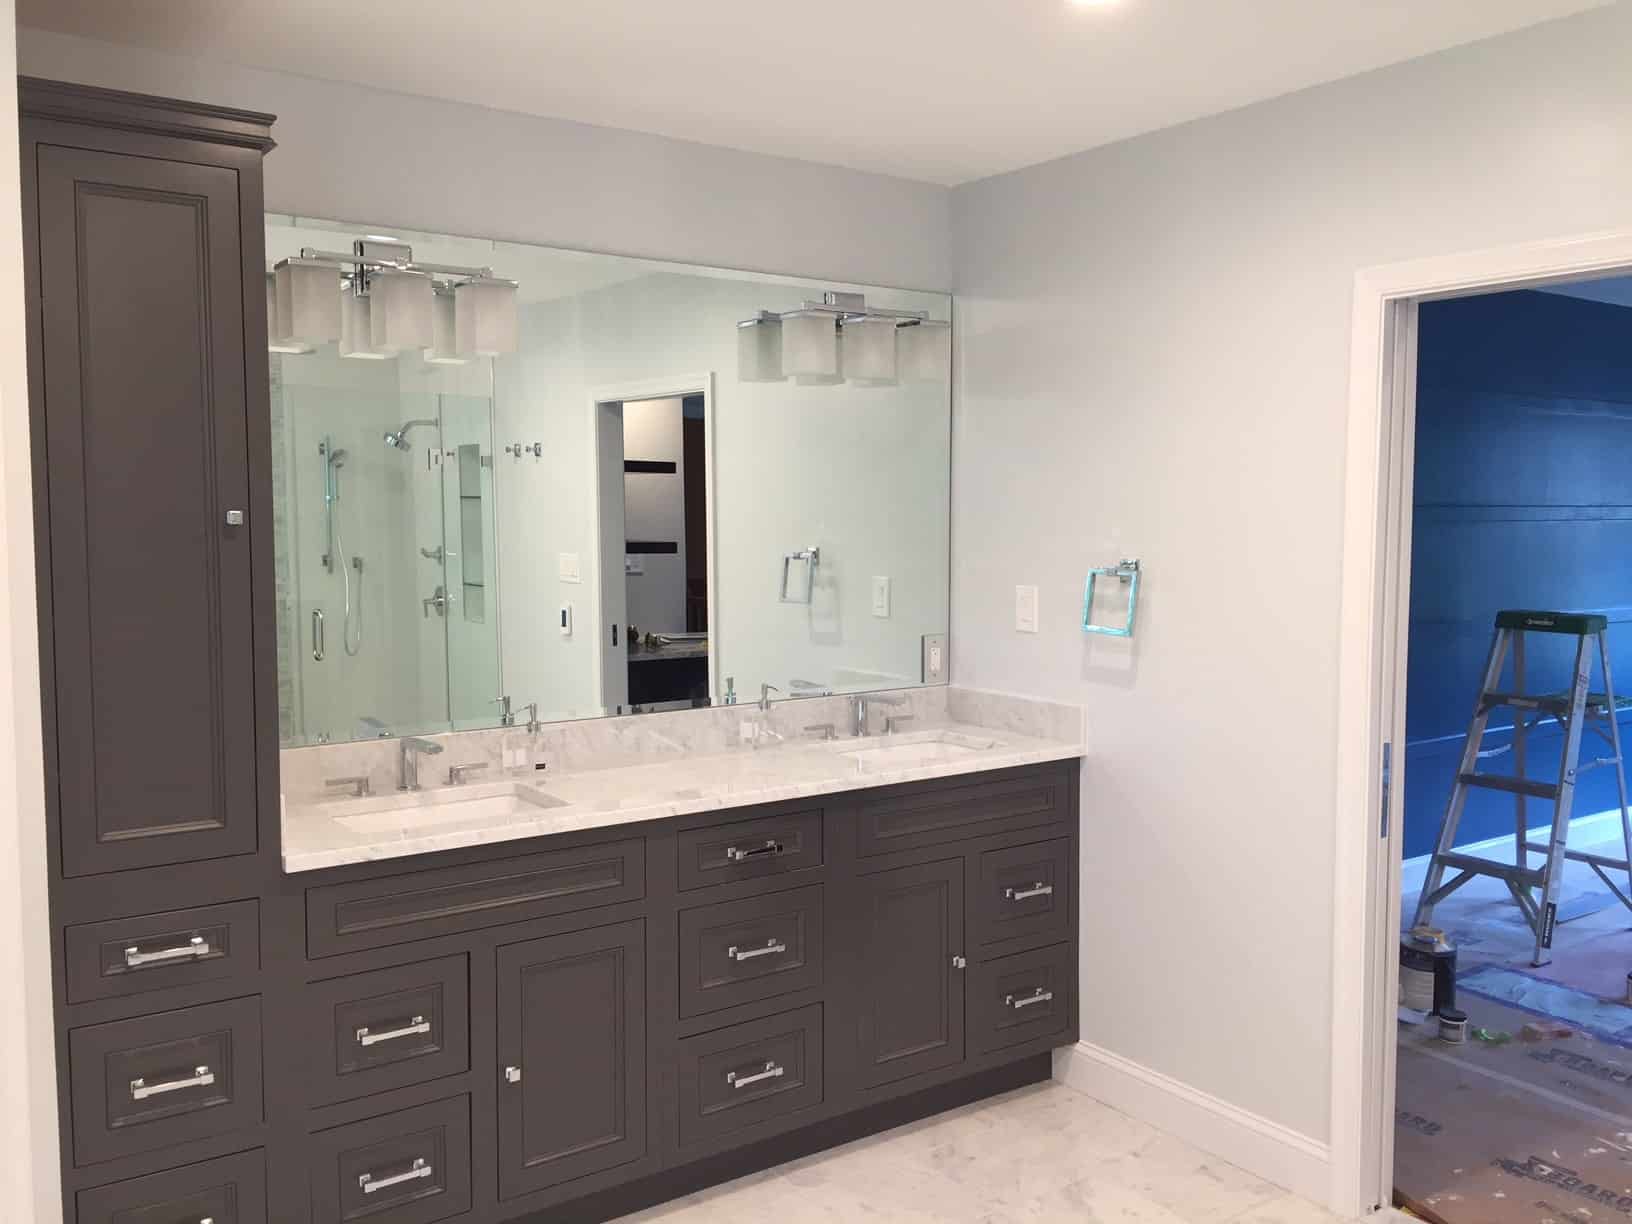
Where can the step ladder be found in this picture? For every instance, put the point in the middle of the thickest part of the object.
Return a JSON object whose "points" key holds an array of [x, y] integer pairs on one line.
{"points": [[1574, 710]]}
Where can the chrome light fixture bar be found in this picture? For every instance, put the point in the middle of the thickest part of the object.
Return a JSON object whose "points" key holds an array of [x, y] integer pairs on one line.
{"points": [[804, 343], [389, 303]]}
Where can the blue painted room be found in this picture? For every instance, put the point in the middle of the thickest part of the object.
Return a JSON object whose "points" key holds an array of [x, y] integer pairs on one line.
{"points": [[1515, 990]]}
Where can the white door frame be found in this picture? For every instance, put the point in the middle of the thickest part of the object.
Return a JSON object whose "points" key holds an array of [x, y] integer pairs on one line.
{"points": [[646, 389], [1371, 661]]}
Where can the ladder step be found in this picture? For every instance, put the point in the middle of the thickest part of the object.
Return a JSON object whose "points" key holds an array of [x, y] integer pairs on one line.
{"points": [[1557, 706], [1598, 763], [1490, 867], [1513, 786], [1581, 856]]}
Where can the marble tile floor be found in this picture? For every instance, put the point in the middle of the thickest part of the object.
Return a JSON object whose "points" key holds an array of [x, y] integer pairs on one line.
{"points": [[1045, 1152]]}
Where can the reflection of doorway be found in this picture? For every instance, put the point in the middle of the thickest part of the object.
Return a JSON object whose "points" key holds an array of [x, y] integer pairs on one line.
{"points": [[654, 565]]}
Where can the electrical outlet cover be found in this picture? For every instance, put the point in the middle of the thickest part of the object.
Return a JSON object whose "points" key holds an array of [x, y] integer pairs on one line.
{"points": [[1025, 609]]}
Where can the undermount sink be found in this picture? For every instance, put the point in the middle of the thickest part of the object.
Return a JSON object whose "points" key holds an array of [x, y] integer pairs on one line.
{"points": [[407, 812], [916, 748]]}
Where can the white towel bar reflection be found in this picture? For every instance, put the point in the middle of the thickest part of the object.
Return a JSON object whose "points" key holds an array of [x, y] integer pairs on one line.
{"points": [[812, 557]]}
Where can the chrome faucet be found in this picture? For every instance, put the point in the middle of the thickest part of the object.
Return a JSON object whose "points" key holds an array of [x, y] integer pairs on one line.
{"points": [[765, 691], [865, 702], [409, 748], [506, 718]]}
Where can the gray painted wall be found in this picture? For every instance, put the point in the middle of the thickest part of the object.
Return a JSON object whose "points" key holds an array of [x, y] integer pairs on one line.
{"points": [[1154, 343], [352, 153]]}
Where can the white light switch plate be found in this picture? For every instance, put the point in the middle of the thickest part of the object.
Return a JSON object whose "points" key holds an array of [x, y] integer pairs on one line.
{"points": [[633, 564], [569, 568], [1025, 609], [881, 596]]}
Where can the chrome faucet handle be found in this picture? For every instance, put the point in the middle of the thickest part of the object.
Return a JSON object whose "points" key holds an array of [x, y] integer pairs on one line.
{"points": [[358, 784], [459, 774], [892, 721], [823, 731]]}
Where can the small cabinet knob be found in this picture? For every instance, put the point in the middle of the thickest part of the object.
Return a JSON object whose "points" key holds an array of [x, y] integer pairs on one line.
{"points": [[512, 1075], [235, 518], [959, 962]]}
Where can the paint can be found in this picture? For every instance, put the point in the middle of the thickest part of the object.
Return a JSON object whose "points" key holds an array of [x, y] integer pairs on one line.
{"points": [[1428, 971], [1453, 1026]]}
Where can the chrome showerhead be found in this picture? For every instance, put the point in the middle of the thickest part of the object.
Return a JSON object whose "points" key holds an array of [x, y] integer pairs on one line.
{"points": [[398, 437]]}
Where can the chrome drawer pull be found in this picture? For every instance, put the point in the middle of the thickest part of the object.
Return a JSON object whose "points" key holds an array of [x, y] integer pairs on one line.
{"points": [[737, 856], [1038, 889], [772, 1070], [417, 1025], [772, 946], [368, 1183], [1037, 996], [194, 948], [140, 1089]]}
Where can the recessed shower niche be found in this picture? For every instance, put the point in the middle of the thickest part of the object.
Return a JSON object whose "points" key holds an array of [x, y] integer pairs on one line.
{"points": [[514, 481]]}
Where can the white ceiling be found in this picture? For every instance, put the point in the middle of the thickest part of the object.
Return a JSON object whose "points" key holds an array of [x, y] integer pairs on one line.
{"points": [[940, 90]]}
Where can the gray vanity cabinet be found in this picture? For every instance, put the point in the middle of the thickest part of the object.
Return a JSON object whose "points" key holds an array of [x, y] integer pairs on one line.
{"points": [[910, 971], [572, 1052], [145, 424]]}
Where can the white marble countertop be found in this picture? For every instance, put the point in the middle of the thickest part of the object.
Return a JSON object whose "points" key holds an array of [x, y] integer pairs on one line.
{"points": [[335, 833]]}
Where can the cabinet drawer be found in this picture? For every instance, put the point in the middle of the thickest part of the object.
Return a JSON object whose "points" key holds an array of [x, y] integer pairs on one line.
{"points": [[396, 909], [927, 815], [743, 951], [1024, 892], [409, 1167], [388, 1029], [748, 1074], [231, 1190], [158, 1080], [1019, 998], [125, 956], [749, 849]]}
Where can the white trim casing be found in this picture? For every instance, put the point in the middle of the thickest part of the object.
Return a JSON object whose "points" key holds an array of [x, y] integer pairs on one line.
{"points": [[1365, 864], [1267, 1149]]}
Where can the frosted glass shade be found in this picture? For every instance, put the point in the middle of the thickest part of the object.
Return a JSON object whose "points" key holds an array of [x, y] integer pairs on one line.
{"points": [[869, 349], [925, 352], [810, 344], [399, 313], [308, 300], [273, 343], [484, 318], [355, 332], [759, 350], [444, 348]]}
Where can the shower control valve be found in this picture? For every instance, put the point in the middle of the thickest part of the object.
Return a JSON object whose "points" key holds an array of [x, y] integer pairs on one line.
{"points": [[517, 450]]}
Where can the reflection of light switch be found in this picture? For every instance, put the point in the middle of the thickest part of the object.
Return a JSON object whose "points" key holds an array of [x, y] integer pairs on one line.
{"points": [[633, 565], [1025, 609], [569, 568], [566, 620], [881, 596]]}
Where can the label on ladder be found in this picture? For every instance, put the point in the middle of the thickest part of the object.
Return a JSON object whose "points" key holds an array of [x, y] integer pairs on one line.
{"points": [[1549, 919]]}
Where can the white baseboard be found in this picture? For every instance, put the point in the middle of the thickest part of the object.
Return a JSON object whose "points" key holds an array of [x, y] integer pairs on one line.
{"points": [[1266, 1149], [1584, 831]]}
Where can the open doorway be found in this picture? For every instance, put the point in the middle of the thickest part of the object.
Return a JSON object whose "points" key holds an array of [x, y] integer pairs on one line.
{"points": [[1513, 1099], [655, 582]]}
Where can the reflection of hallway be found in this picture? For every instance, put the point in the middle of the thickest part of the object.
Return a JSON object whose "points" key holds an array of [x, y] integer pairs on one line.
{"points": [[1537, 1127]]}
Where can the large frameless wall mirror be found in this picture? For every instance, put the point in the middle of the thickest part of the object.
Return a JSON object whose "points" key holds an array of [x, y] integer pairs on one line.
{"points": [[510, 475]]}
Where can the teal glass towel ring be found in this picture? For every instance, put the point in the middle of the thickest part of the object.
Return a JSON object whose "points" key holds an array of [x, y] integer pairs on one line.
{"points": [[1127, 573]]}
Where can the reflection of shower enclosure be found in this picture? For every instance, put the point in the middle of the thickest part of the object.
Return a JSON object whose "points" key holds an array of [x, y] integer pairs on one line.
{"points": [[384, 512]]}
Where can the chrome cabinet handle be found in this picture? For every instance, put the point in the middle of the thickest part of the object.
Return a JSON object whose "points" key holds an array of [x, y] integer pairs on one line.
{"points": [[737, 855], [512, 1075], [417, 1025], [1038, 889], [772, 946], [369, 1183], [317, 635], [1037, 996], [772, 1070], [194, 948], [140, 1089]]}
